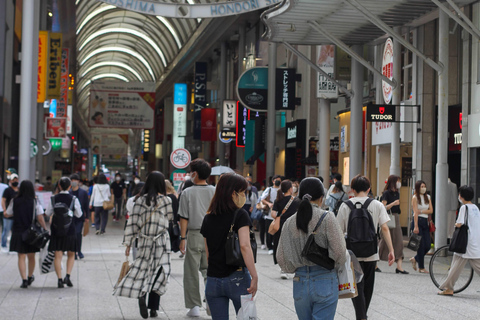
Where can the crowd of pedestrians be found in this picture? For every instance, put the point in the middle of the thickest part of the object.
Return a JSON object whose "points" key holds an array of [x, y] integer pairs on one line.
{"points": [[198, 219]]}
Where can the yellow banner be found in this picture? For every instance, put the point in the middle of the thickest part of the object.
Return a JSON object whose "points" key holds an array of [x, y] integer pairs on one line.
{"points": [[42, 66], [54, 66]]}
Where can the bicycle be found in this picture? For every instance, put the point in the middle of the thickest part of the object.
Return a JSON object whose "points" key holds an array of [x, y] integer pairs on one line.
{"points": [[440, 266]]}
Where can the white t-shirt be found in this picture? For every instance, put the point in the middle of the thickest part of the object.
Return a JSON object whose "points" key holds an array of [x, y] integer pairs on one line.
{"points": [[473, 222], [423, 206], [273, 196], [376, 209]]}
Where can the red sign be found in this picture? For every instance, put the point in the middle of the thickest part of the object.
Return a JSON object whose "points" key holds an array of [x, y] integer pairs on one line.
{"points": [[56, 128], [209, 124], [387, 70]]}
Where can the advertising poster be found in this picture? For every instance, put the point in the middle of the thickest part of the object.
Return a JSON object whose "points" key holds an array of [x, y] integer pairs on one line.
{"points": [[326, 89], [56, 128], [179, 115], [252, 88], [387, 70], [122, 105], [62, 102], [110, 144], [209, 124], [54, 65], [42, 66]]}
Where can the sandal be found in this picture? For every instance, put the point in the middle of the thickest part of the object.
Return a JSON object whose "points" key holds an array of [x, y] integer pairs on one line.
{"points": [[423, 271], [414, 263], [445, 293]]}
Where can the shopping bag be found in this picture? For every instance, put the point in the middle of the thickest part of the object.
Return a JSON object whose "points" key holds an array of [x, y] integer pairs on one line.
{"points": [[248, 311], [86, 228], [414, 242], [45, 260], [347, 286], [123, 271]]}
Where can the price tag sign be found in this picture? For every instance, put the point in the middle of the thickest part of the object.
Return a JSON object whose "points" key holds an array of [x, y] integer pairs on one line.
{"points": [[180, 158]]}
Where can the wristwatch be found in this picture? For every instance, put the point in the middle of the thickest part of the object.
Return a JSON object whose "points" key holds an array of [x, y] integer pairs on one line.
{"points": [[182, 238]]}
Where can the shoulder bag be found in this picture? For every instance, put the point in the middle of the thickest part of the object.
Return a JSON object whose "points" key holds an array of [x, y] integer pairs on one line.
{"points": [[460, 236], [275, 225], [261, 205], [391, 223], [414, 242], [108, 204], [35, 235], [316, 254], [233, 253]]}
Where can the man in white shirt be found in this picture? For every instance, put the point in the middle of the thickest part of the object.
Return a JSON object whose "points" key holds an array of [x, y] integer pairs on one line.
{"points": [[271, 194], [361, 186]]}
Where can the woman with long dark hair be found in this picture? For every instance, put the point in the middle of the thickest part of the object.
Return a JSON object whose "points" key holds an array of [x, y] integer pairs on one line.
{"points": [[316, 290], [100, 193], [149, 222], [285, 201], [226, 282], [422, 207], [22, 208], [391, 201]]}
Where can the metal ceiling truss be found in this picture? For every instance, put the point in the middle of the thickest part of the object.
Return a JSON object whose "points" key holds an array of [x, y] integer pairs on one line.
{"points": [[466, 23]]}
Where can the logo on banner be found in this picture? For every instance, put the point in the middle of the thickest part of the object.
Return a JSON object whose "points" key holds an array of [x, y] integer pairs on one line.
{"points": [[381, 110], [180, 158], [252, 88], [387, 70], [380, 113]]}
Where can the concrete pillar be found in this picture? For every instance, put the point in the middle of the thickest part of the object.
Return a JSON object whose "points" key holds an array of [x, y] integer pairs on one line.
{"points": [[324, 139], [27, 72], [441, 169], [272, 65], [397, 75], [356, 116], [222, 95], [241, 55], [465, 105]]}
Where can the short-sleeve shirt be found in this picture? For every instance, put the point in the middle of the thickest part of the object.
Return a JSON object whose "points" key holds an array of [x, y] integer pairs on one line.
{"points": [[9, 194], [391, 196], [473, 222], [376, 209], [280, 205], [215, 229], [118, 188], [194, 204]]}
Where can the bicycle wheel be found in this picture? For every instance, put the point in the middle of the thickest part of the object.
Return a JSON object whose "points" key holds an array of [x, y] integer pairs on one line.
{"points": [[440, 266]]}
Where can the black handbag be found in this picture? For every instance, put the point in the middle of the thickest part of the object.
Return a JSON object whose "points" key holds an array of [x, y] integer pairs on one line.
{"points": [[459, 240], [35, 235], [414, 241], [233, 252], [316, 254]]}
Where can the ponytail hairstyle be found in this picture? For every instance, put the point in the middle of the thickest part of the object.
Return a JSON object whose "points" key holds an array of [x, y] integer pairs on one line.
{"points": [[311, 189], [284, 187]]}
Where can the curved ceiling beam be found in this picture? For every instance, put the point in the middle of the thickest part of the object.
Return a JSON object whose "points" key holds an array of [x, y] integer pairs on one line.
{"points": [[92, 15], [113, 64], [172, 30], [110, 75]]}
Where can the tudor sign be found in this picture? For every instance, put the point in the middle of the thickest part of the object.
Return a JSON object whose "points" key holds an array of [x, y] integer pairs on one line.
{"points": [[380, 113]]}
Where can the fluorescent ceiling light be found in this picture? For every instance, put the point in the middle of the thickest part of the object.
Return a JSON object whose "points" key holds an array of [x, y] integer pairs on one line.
{"points": [[113, 64], [129, 31], [109, 75], [93, 14], [123, 50], [172, 30]]}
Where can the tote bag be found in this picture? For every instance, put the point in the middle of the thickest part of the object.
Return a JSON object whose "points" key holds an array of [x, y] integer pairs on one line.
{"points": [[460, 237], [347, 286]]}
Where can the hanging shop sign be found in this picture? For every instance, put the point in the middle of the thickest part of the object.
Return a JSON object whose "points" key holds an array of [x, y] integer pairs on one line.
{"points": [[291, 132], [229, 113], [224, 140], [129, 105], [63, 100], [242, 117], [179, 115], [285, 89], [178, 176], [69, 118], [42, 66], [387, 70], [228, 134], [180, 158], [33, 148], [145, 142], [380, 113], [200, 97], [54, 65], [209, 124], [326, 89], [455, 128], [343, 65], [252, 89], [194, 10], [56, 144], [110, 144], [296, 150], [343, 139], [56, 128]]}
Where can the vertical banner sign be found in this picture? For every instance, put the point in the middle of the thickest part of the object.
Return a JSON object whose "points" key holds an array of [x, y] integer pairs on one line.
{"points": [[200, 97], [54, 65], [387, 70], [326, 89], [209, 124], [179, 115], [42, 66], [69, 118], [285, 89], [242, 117], [62, 102], [229, 114]]}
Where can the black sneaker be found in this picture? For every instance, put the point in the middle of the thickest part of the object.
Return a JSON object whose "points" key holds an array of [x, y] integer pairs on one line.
{"points": [[153, 314], [68, 282], [60, 283], [80, 255], [143, 307], [24, 284], [31, 279]]}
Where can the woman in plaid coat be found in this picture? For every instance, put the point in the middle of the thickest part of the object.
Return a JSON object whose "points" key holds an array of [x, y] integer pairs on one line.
{"points": [[151, 269]]}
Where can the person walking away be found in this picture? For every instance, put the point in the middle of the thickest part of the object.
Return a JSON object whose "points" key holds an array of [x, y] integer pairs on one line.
{"points": [[62, 208], [82, 197], [100, 193], [3, 186], [129, 208], [337, 177], [227, 282], [468, 214], [151, 269], [378, 215], [284, 201], [9, 193], [172, 194], [391, 201], [49, 186], [267, 198], [315, 288], [336, 197], [194, 203], [119, 191], [21, 209], [422, 208], [251, 199]]}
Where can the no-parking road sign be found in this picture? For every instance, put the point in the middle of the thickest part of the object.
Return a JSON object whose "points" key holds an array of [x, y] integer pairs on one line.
{"points": [[180, 158]]}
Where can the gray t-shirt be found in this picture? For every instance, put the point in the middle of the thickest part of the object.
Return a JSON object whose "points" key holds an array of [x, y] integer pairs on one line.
{"points": [[194, 204]]}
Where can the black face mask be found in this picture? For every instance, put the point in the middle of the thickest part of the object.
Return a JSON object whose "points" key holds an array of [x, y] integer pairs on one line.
{"points": [[15, 184], [277, 183]]}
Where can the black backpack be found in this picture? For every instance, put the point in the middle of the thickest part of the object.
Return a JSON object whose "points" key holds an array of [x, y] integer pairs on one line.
{"points": [[361, 234], [338, 204], [62, 216]]}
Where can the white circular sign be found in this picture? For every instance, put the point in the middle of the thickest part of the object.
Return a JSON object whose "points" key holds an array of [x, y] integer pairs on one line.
{"points": [[180, 158], [387, 70]]}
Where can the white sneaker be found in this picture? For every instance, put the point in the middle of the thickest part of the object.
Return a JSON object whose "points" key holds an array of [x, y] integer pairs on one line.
{"points": [[194, 312], [263, 247], [270, 252], [284, 276], [4, 250]]}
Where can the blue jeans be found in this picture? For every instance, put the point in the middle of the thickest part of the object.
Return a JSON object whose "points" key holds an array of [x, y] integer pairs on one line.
{"points": [[219, 291], [315, 291], [7, 227], [424, 231]]}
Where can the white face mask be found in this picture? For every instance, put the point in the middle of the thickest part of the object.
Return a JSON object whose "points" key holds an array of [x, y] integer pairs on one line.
{"points": [[460, 200], [399, 185], [118, 179], [423, 190], [137, 181], [187, 178], [295, 189]]}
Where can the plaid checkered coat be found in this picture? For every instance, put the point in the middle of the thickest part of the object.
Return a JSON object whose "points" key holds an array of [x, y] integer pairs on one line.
{"points": [[151, 268]]}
